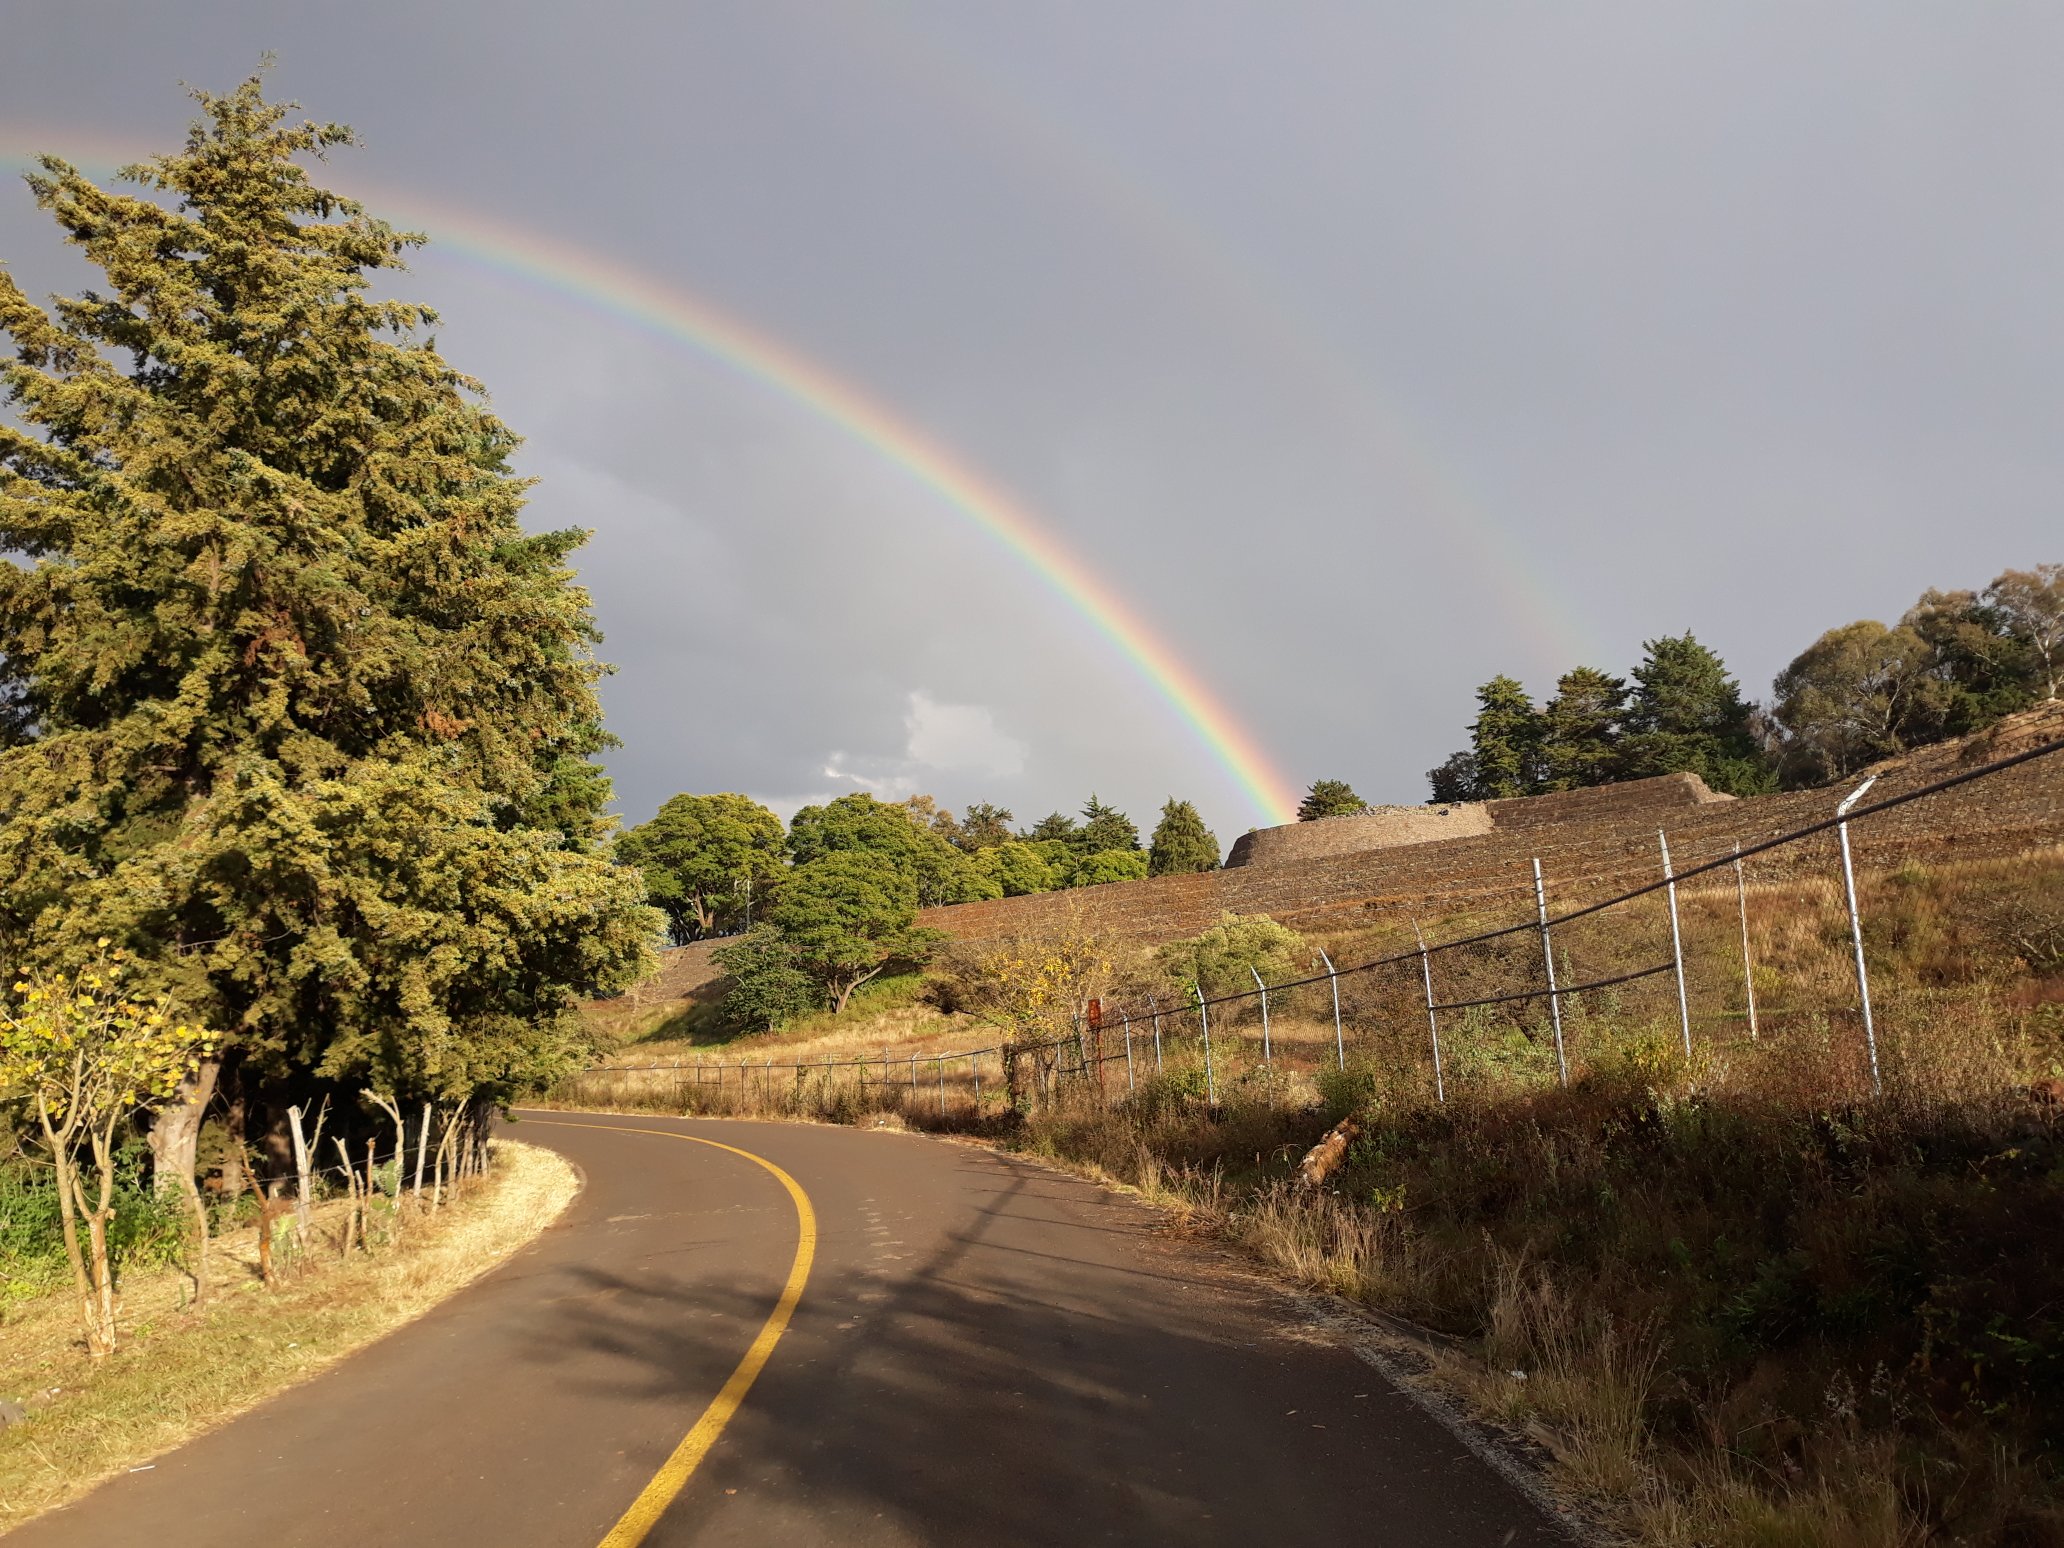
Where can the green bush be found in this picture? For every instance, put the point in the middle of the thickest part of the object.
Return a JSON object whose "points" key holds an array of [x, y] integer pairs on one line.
{"points": [[146, 1229]]}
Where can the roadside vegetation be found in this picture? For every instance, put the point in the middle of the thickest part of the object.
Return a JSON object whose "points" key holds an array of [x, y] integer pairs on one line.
{"points": [[1738, 1300], [349, 1276]]}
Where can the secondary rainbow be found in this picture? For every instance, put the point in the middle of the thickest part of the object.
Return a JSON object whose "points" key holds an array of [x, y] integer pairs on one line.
{"points": [[667, 308]]}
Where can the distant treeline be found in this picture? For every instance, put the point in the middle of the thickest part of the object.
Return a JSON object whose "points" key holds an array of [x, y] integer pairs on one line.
{"points": [[1956, 662]]}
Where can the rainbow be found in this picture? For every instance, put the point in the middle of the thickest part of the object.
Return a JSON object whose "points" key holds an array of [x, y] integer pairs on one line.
{"points": [[672, 311]]}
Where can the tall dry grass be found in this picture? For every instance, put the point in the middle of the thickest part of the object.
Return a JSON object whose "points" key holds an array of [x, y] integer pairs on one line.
{"points": [[1740, 1298]]}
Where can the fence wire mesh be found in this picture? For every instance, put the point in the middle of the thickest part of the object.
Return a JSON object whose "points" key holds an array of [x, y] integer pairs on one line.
{"points": [[1678, 945]]}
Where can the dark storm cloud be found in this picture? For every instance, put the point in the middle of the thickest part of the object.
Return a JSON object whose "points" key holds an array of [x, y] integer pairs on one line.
{"points": [[1370, 350]]}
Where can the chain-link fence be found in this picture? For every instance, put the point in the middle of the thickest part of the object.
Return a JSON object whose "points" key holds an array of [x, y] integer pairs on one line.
{"points": [[1705, 952]]}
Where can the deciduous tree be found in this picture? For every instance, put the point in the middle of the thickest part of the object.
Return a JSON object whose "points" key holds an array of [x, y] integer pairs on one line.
{"points": [[82, 1056], [1224, 959], [848, 914], [769, 986], [859, 823], [2030, 606], [1856, 694], [1108, 865], [1017, 868], [703, 857]]}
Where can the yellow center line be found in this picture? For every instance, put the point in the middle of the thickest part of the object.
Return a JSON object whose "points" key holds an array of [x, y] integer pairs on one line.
{"points": [[673, 1475]]}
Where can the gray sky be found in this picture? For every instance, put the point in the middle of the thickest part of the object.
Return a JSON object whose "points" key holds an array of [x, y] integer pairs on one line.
{"points": [[1365, 351]]}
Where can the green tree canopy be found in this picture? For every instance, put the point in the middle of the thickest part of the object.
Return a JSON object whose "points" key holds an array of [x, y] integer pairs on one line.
{"points": [[847, 914], [2029, 607], [1053, 828], [896, 834], [769, 987], [1687, 716], [1505, 741], [704, 858], [1181, 842], [984, 827], [1224, 959], [1330, 798], [1856, 694], [1017, 868], [1580, 730], [1105, 828], [302, 716], [1454, 781], [1108, 865]]}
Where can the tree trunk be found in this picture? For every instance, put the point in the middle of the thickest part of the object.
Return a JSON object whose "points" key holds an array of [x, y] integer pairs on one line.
{"points": [[422, 1151], [301, 1176], [175, 1134], [235, 1116]]}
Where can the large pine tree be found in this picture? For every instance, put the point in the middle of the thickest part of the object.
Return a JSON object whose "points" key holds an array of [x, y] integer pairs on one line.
{"points": [[1505, 740], [304, 715], [1688, 715], [1181, 842]]}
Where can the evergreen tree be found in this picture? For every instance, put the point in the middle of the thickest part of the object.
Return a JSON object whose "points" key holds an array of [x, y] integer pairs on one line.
{"points": [[1105, 828], [1580, 730], [984, 827], [1330, 798], [1181, 843], [1505, 742], [301, 715], [1687, 715], [1454, 781], [1053, 828]]}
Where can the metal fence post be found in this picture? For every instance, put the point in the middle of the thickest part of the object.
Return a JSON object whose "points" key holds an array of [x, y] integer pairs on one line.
{"points": [[1870, 1031], [941, 1063], [1548, 956], [1440, 1089], [975, 1064], [1267, 1053], [1204, 1016], [913, 1074], [1339, 1038], [1676, 945], [1156, 1009], [1130, 1084], [1748, 971]]}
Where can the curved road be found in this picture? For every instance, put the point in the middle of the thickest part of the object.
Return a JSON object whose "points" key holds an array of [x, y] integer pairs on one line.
{"points": [[984, 1352]]}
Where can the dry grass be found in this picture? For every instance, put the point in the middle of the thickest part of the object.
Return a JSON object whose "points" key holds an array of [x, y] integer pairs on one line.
{"points": [[179, 1372], [1739, 1300]]}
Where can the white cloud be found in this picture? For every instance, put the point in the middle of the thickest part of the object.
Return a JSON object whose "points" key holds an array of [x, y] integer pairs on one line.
{"points": [[959, 739], [938, 739]]}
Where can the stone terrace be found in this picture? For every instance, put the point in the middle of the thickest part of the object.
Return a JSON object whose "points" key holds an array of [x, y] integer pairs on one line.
{"points": [[1590, 844]]}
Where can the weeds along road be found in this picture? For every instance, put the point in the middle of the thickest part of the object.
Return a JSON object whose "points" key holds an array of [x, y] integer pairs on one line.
{"points": [[982, 1352]]}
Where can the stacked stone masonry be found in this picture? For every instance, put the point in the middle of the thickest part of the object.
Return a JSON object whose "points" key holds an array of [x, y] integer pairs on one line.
{"points": [[1589, 848]]}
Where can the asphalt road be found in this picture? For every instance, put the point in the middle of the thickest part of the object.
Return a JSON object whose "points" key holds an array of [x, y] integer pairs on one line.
{"points": [[984, 1352]]}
